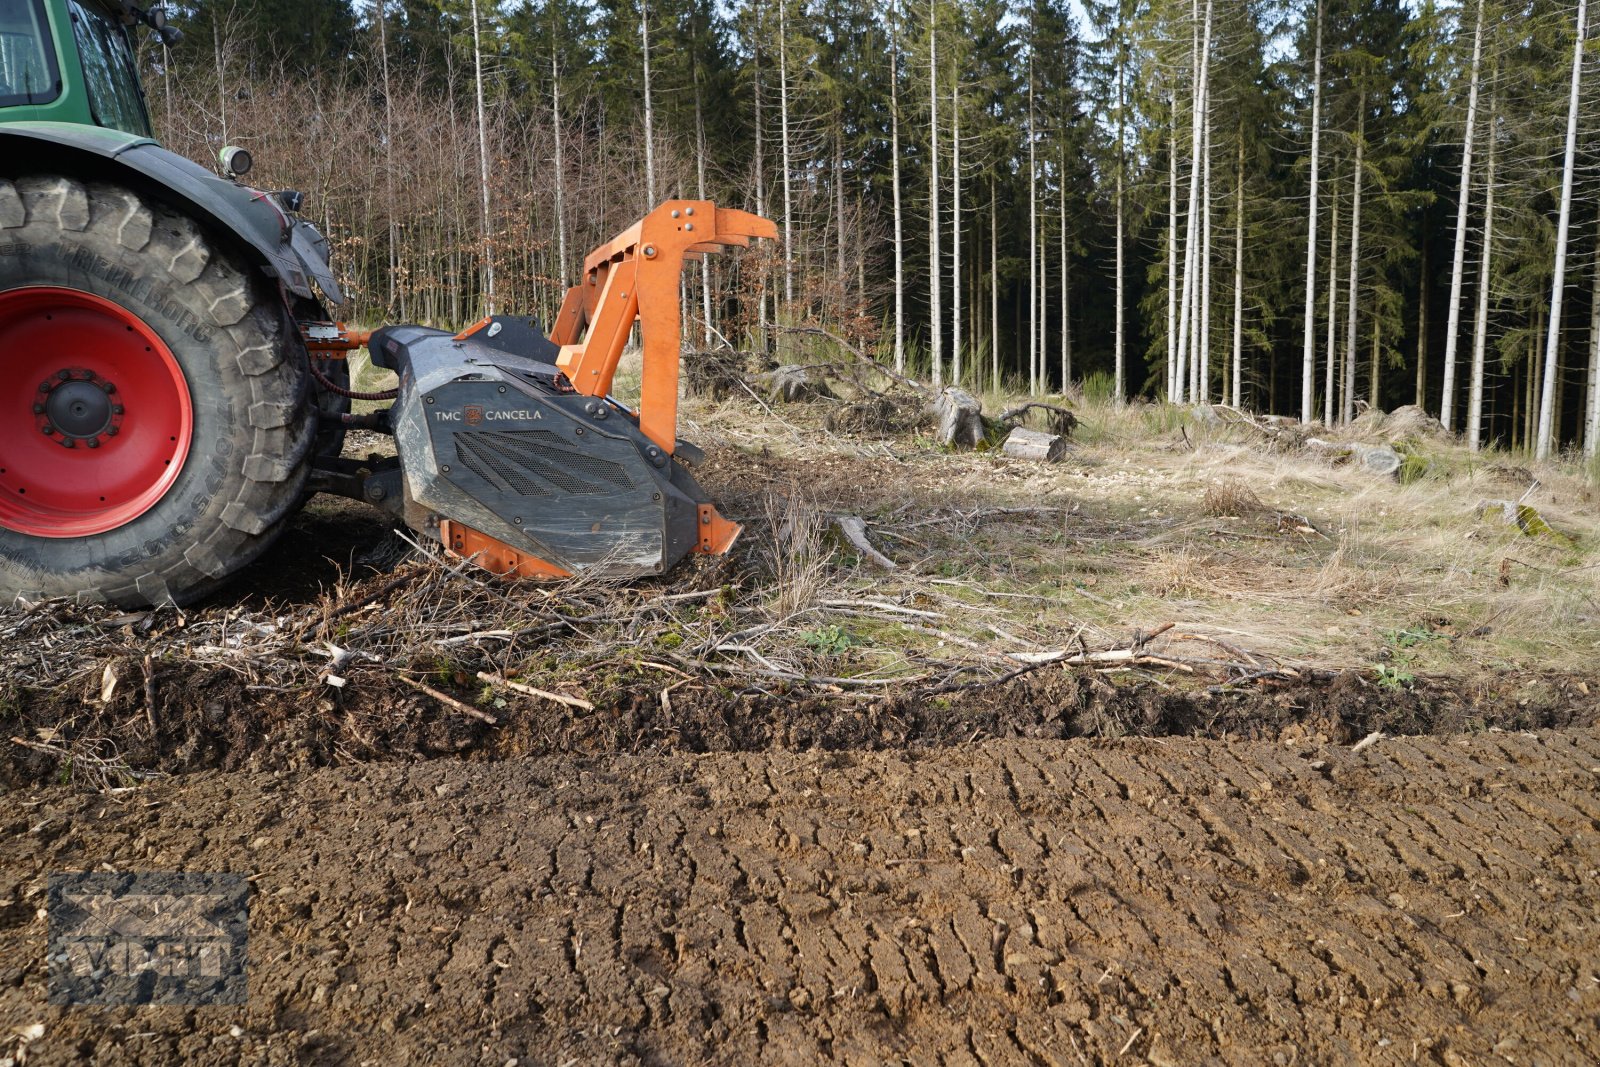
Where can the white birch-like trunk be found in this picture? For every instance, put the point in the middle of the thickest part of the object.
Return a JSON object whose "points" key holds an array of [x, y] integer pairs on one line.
{"points": [[1480, 324], [483, 163], [1558, 284], [388, 150], [994, 288], [1188, 317], [1119, 356], [787, 160], [1348, 407], [1033, 232], [1172, 258], [1238, 282], [955, 231], [1331, 354], [899, 216], [1308, 358], [700, 194], [761, 180], [560, 161], [935, 257], [1591, 433], [1447, 398], [1202, 384], [1066, 277], [649, 109]]}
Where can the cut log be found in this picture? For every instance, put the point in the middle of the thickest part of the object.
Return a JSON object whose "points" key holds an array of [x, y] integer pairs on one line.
{"points": [[794, 384], [960, 418], [1023, 443]]}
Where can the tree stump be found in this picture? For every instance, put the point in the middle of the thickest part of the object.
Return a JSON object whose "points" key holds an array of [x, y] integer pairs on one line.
{"points": [[960, 418], [1023, 443]]}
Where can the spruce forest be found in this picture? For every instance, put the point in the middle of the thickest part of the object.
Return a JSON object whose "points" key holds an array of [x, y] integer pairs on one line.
{"points": [[1305, 209]]}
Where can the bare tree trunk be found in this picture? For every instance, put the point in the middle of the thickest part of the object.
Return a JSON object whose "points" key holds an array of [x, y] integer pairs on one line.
{"points": [[1172, 257], [1202, 389], [1033, 229], [649, 108], [1308, 359], [761, 181], [1066, 279], [700, 194], [1447, 399], [787, 160], [1238, 282], [1120, 358], [994, 288], [955, 230], [1329, 392], [483, 164], [1552, 350], [560, 162], [1349, 392], [1480, 324], [899, 216], [388, 153], [935, 257], [1591, 434], [1422, 320]]}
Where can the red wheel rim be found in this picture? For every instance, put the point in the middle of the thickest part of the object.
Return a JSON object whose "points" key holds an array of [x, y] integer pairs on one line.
{"points": [[95, 417]]}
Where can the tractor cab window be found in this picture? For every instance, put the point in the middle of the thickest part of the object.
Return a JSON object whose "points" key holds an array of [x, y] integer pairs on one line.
{"points": [[27, 62], [109, 73]]}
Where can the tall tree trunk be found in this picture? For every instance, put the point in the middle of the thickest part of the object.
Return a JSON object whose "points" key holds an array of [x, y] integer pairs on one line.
{"points": [[1422, 319], [1033, 227], [1349, 392], [1329, 392], [388, 155], [1591, 433], [761, 182], [1447, 399], [1480, 325], [1172, 257], [1066, 278], [649, 108], [1238, 282], [1552, 349], [899, 216], [994, 288], [1308, 358], [935, 258], [483, 164], [956, 338], [1202, 389], [700, 194], [1119, 357], [1189, 294], [787, 160], [560, 162]]}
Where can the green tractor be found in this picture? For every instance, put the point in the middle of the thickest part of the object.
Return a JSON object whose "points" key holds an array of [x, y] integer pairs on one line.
{"points": [[171, 387]]}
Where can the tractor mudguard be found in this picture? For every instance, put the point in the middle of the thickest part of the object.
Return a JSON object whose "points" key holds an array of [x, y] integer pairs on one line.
{"points": [[286, 248]]}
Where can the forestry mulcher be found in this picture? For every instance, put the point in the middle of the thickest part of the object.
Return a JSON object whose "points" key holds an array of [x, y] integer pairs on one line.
{"points": [[174, 385]]}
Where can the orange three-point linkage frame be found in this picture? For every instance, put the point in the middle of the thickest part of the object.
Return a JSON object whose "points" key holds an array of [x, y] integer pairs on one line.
{"points": [[634, 277]]}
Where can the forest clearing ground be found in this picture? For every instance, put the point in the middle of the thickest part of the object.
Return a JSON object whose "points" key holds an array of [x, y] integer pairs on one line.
{"points": [[822, 811]]}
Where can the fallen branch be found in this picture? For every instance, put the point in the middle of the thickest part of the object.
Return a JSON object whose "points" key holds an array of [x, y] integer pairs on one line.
{"points": [[531, 691], [449, 701], [854, 530]]}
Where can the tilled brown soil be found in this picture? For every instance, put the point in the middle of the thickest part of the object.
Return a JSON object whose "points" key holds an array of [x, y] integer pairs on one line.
{"points": [[1167, 901]]}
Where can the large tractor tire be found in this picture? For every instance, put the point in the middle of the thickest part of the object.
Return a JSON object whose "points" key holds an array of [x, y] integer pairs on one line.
{"points": [[156, 423]]}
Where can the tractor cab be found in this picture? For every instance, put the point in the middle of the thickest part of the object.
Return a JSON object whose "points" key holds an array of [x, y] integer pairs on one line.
{"points": [[71, 61]]}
